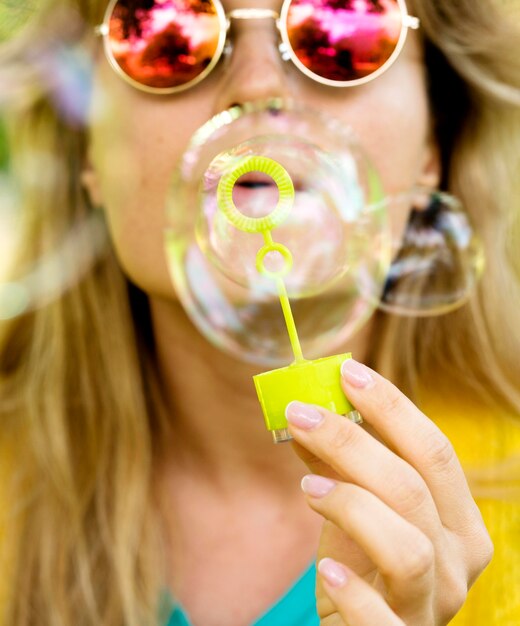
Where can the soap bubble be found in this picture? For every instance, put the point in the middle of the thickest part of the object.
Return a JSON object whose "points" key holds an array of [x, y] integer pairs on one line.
{"points": [[439, 261], [329, 252]]}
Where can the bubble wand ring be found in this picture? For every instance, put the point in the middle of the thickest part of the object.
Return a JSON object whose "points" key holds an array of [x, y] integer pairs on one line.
{"points": [[256, 224]]}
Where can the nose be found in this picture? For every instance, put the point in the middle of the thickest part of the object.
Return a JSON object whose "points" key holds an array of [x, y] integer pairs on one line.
{"points": [[254, 69]]}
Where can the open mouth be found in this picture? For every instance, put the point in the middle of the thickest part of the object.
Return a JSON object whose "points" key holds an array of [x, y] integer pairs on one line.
{"points": [[255, 194], [255, 184], [255, 180], [258, 180]]}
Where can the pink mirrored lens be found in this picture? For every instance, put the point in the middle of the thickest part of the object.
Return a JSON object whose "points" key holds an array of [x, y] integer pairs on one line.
{"points": [[344, 40], [164, 43]]}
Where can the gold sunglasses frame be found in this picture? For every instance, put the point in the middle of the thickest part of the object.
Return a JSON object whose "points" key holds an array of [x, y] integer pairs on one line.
{"points": [[103, 30]]}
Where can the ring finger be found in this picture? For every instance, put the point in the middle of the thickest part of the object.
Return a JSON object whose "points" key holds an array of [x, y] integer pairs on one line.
{"points": [[402, 553]]}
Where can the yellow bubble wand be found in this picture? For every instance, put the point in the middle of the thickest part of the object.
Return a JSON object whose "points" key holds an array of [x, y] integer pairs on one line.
{"points": [[317, 381]]}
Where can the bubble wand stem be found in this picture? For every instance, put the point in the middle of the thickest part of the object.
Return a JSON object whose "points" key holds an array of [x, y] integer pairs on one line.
{"points": [[289, 322], [286, 308]]}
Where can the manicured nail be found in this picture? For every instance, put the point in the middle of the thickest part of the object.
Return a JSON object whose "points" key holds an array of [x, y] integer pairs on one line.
{"points": [[357, 374], [303, 415], [333, 572], [317, 486]]}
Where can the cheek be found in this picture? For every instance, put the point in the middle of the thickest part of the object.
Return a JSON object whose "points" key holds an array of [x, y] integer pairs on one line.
{"points": [[396, 134], [391, 119], [136, 142]]}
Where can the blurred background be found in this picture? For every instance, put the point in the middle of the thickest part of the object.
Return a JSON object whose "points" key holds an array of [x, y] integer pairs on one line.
{"points": [[13, 15]]}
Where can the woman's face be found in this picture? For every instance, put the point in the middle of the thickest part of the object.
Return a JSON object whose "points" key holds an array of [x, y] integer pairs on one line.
{"points": [[137, 139]]}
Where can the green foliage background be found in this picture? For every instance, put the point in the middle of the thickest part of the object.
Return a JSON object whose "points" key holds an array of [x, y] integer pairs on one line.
{"points": [[13, 15]]}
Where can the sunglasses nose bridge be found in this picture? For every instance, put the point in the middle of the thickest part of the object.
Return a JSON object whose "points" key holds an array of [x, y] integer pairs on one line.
{"points": [[253, 15], [254, 69]]}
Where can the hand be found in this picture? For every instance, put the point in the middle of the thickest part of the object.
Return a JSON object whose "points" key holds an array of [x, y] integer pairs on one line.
{"points": [[403, 537]]}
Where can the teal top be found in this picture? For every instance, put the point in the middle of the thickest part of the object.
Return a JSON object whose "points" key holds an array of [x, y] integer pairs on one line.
{"points": [[297, 607]]}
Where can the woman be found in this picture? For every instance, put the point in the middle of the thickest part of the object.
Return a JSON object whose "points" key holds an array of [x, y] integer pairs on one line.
{"points": [[136, 466]]}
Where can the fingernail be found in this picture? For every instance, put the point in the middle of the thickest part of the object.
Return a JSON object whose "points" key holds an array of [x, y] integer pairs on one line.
{"points": [[357, 374], [317, 486], [333, 572], [303, 415]]}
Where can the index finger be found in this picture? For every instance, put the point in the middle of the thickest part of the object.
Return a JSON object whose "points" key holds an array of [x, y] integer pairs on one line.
{"points": [[414, 437]]}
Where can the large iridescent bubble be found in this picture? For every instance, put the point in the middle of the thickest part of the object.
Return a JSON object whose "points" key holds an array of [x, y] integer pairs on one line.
{"points": [[336, 232]]}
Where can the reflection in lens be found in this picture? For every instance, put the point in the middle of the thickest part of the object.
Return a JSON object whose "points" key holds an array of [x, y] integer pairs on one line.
{"points": [[164, 44], [344, 40], [439, 262]]}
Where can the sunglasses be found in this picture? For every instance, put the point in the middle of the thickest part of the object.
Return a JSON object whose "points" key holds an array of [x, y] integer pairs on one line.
{"points": [[167, 46]]}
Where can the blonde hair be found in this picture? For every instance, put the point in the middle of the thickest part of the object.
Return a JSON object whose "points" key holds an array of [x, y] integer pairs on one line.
{"points": [[475, 93], [80, 410]]}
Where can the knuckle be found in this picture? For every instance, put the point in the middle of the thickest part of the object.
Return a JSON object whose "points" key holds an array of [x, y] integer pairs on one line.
{"points": [[344, 436], [360, 606], [353, 496], [419, 559], [482, 556], [489, 551], [459, 594], [390, 401], [410, 492], [312, 459], [454, 593], [439, 451]]}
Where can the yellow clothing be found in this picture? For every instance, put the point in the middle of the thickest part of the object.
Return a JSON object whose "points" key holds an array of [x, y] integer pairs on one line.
{"points": [[480, 440], [483, 440]]}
